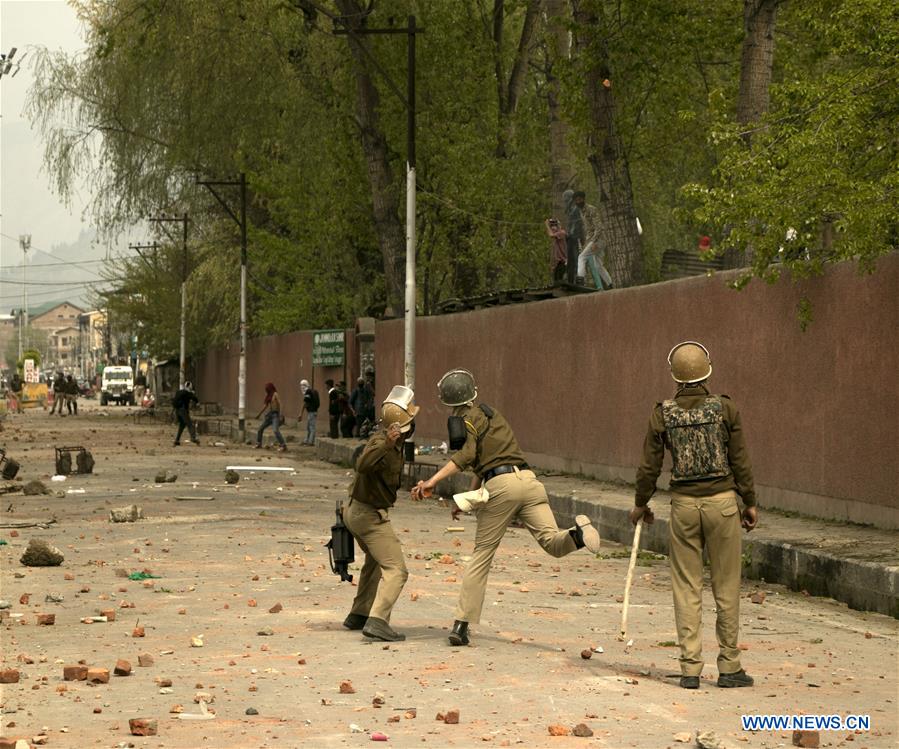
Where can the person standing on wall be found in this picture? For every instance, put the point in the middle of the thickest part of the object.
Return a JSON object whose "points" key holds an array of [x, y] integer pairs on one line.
{"points": [[181, 404], [558, 254], [484, 442], [311, 404], [574, 228], [271, 407], [591, 253], [379, 471], [710, 473]]}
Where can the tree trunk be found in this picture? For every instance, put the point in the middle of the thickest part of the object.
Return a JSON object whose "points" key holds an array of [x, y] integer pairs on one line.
{"points": [[509, 92], [384, 193], [756, 66], [757, 61], [560, 159], [605, 149]]}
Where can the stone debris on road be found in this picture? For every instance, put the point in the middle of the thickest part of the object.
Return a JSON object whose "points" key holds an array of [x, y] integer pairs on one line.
{"points": [[41, 554], [531, 677]]}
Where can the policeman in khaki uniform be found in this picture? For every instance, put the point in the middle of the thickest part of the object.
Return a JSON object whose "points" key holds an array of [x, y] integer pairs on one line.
{"points": [[710, 472], [492, 452], [372, 494]]}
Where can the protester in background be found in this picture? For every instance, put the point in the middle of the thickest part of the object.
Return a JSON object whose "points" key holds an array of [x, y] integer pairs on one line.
{"points": [[181, 403], [558, 249], [362, 402], [71, 391], [574, 228], [347, 414], [710, 473], [140, 385], [333, 411], [59, 382], [15, 387], [591, 252], [271, 407], [311, 404]]}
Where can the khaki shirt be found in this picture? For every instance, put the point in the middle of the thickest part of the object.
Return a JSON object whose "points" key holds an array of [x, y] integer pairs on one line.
{"points": [[378, 472], [738, 480], [497, 447]]}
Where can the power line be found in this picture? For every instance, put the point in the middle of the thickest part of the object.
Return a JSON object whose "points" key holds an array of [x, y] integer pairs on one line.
{"points": [[53, 283], [47, 252]]}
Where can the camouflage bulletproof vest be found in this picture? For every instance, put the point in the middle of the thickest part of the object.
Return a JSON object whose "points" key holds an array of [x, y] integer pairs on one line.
{"points": [[697, 440]]}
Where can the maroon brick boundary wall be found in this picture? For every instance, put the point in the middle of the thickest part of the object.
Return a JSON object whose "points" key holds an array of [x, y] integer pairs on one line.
{"points": [[577, 377], [282, 359]]}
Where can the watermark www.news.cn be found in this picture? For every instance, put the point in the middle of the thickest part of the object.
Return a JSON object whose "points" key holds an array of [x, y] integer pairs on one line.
{"points": [[806, 722]]}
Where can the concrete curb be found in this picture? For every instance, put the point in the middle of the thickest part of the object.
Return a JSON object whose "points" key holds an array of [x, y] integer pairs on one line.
{"points": [[862, 584]]}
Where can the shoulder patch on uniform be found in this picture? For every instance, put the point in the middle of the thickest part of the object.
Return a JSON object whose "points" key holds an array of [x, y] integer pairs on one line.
{"points": [[470, 427]]}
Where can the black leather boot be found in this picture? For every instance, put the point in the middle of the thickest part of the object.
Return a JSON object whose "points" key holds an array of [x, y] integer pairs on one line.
{"points": [[459, 635], [355, 621]]}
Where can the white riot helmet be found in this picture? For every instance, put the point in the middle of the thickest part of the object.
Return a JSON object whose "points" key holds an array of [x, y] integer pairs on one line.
{"points": [[398, 408]]}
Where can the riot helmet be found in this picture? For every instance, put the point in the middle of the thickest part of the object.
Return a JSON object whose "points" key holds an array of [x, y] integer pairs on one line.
{"points": [[690, 362], [399, 409], [456, 388]]}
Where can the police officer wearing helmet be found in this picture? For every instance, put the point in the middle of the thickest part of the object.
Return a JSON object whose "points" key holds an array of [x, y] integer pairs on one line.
{"points": [[485, 443], [373, 492], [710, 472]]}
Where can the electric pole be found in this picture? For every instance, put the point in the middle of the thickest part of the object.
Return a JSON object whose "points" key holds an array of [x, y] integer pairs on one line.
{"points": [[25, 244], [161, 220], [241, 221]]}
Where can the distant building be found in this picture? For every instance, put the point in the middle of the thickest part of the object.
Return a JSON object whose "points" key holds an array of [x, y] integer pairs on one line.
{"points": [[91, 342]]}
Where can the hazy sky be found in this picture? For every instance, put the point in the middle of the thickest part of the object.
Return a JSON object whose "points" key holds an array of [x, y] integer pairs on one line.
{"points": [[27, 202]]}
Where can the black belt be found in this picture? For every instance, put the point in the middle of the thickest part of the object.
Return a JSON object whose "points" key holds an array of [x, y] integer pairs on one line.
{"points": [[499, 470]]}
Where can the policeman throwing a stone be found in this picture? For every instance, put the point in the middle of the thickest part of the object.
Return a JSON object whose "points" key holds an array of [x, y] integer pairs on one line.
{"points": [[710, 472], [484, 442], [373, 492]]}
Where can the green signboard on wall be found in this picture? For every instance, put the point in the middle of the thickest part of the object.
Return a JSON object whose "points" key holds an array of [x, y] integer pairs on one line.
{"points": [[328, 348]]}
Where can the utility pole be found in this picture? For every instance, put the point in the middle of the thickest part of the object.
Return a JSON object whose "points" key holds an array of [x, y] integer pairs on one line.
{"points": [[183, 347], [241, 220], [25, 244], [409, 101]]}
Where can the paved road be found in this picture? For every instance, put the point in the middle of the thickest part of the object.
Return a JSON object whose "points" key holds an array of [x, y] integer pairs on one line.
{"points": [[262, 541]]}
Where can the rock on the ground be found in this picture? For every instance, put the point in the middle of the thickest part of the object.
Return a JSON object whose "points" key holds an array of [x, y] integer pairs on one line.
{"points": [[808, 739], [128, 514], [78, 672], [231, 477], [166, 477], [34, 487], [582, 730], [142, 727], [122, 668], [41, 554], [557, 730], [708, 740], [9, 676]]}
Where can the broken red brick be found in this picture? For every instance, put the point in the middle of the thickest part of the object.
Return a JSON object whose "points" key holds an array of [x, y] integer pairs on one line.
{"points": [[122, 668], [46, 619], [557, 730], [24, 598], [144, 660], [142, 727], [346, 687], [137, 632], [587, 654], [807, 739], [9, 676], [109, 614], [275, 609], [13, 534], [452, 716], [758, 596], [252, 603], [163, 682], [74, 673], [98, 675], [410, 714], [85, 589]]}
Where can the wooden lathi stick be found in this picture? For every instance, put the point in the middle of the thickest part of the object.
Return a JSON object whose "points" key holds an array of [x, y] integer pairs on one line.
{"points": [[622, 635]]}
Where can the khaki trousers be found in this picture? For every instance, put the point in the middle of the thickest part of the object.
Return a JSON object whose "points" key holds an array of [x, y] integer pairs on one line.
{"points": [[384, 572], [713, 522], [517, 494]]}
